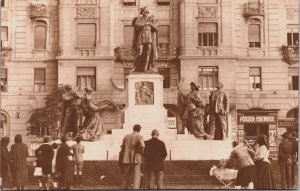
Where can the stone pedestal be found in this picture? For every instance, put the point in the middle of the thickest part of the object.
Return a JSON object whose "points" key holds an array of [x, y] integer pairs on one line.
{"points": [[145, 104]]}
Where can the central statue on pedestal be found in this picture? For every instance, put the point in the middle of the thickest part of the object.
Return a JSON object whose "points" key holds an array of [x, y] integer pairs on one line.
{"points": [[144, 42]]}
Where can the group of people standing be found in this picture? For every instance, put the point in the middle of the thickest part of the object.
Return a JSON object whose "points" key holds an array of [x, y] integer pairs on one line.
{"points": [[53, 166], [254, 167], [135, 152]]}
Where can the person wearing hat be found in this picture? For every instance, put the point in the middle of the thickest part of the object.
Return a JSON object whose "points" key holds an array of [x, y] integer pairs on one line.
{"points": [[284, 161], [218, 111], [191, 111], [294, 154]]}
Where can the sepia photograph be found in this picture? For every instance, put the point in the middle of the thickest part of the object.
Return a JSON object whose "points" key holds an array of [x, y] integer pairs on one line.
{"points": [[149, 94]]}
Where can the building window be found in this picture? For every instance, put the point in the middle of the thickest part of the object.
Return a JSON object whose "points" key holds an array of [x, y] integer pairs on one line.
{"points": [[128, 36], [163, 2], [292, 35], [207, 34], [255, 78], [254, 35], [86, 35], [4, 79], [86, 78], [4, 36], [208, 77], [293, 78], [39, 79], [40, 35], [165, 72], [164, 36], [129, 2], [2, 3]]}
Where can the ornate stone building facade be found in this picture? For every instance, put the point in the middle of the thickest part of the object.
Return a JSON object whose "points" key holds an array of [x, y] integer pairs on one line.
{"points": [[249, 45]]}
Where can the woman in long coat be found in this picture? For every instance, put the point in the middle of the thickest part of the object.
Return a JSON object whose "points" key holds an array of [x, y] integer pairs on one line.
{"points": [[5, 164], [64, 164], [18, 154]]}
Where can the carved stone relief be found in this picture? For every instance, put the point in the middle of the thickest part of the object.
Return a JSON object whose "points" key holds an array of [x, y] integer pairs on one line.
{"points": [[291, 13], [85, 12], [208, 12], [144, 93]]}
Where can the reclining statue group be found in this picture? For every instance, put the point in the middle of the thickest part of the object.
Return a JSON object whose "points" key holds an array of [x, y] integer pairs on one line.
{"points": [[192, 110]]}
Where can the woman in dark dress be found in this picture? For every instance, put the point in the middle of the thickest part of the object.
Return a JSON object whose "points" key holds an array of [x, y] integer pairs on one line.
{"points": [[64, 164], [5, 164], [18, 154], [264, 175]]}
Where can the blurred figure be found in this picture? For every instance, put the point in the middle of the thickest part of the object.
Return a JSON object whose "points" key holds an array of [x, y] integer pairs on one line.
{"points": [[243, 157], [5, 164], [133, 146], [155, 153], [78, 150], [18, 154], [38, 169], [294, 154], [64, 164], [46, 161], [264, 175], [54, 178], [284, 161]]}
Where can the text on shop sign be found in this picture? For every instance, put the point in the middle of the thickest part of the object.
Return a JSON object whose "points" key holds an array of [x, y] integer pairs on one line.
{"points": [[257, 119]]}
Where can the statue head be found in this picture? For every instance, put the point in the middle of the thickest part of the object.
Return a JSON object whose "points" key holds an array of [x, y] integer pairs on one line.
{"points": [[144, 11], [194, 87], [68, 87], [220, 85], [88, 90]]}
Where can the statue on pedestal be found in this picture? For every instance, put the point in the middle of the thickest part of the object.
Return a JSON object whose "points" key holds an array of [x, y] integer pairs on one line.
{"points": [[144, 41], [218, 112], [191, 111]]}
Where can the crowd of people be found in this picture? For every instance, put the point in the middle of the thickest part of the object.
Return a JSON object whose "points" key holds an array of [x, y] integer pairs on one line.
{"points": [[142, 163]]}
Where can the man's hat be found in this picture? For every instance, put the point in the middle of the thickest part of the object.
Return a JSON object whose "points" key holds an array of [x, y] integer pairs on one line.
{"points": [[285, 135], [88, 89], [195, 85]]}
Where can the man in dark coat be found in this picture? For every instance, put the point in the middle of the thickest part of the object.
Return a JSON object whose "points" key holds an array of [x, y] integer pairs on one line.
{"points": [[132, 147], [294, 153], [5, 164], [284, 160], [155, 153], [46, 152]]}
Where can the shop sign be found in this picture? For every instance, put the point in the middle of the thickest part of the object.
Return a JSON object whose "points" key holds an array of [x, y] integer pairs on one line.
{"points": [[286, 123], [257, 119], [172, 122]]}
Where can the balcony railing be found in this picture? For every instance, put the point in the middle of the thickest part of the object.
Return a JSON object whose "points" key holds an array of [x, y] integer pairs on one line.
{"points": [[39, 10], [290, 54], [123, 54], [253, 8]]}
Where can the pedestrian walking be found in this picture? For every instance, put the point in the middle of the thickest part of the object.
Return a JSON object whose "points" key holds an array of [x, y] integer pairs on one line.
{"points": [[46, 161], [243, 157], [133, 146], [264, 176], [284, 161], [38, 169], [155, 153], [294, 155], [78, 150], [5, 164], [64, 164], [18, 154], [54, 175]]}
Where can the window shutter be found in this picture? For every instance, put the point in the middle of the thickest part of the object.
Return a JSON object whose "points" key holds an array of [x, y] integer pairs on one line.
{"points": [[128, 36], [40, 32], [86, 71], [4, 33], [39, 75], [86, 35], [164, 34], [207, 28], [253, 33]]}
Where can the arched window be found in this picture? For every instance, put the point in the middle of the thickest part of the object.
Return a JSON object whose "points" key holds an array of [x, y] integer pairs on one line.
{"points": [[293, 113], [40, 35], [4, 129]]}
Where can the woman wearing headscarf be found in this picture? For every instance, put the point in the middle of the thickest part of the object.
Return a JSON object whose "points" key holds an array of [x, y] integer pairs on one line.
{"points": [[64, 164], [5, 164], [18, 154], [264, 176]]}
